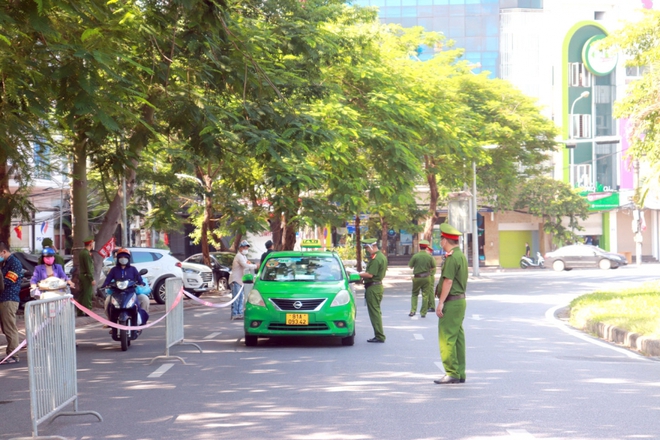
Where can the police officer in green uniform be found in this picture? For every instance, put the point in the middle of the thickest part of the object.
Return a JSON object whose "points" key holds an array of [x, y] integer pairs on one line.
{"points": [[86, 277], [451, 308], [373, 283], [422, 264]]}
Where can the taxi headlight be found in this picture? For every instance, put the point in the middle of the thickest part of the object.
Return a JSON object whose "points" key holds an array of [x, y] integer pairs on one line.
{"points": [[342, 298], [122, 285], [254, 298]]}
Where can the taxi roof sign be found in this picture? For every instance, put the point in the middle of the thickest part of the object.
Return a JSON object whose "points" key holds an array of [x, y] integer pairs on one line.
{"points": [[311, 243]]}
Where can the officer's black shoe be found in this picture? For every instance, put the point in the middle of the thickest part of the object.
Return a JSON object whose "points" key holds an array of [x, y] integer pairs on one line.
{"points": [[431, 309], [411, 314], [462, 380], [423, 316], [375, 340], [446, 380]]}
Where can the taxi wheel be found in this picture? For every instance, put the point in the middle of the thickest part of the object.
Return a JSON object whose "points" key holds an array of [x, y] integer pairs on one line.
{"points": [[251, 340], [605, 264], [558, 265], [348, 341]]}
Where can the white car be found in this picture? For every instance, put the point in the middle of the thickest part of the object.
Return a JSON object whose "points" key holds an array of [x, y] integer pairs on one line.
{"points": [[197, 278], [160, 265]]}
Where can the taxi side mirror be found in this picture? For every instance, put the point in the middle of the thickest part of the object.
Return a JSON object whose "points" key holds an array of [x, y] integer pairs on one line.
{"points": [[248, 279], [354, 278]]}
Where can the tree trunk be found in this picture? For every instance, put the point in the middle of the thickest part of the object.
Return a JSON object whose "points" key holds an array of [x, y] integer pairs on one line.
{"points": [[383, 235], [208, 213], [433, 206], [289, 234], [358, 244], [237, 240], [276, 230], [138, 141], [6, 212], [79, 200]]}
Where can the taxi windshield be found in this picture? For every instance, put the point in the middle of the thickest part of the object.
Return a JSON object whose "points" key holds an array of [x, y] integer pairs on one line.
{"points": [[301, 269]]}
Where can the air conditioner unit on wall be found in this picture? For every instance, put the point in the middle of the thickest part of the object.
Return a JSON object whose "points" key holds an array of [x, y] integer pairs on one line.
{"points": [[581, 126], [579, 76]]}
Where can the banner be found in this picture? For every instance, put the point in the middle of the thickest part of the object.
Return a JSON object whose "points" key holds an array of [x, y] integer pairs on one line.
{"points": [[107, 248]]}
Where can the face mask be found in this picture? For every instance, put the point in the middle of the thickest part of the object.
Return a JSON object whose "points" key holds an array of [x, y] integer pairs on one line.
{"points": [[244, 252], [2, 258], [123, 261], [49, 260]]}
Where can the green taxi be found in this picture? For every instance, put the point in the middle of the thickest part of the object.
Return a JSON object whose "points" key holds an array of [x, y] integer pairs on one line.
{"points": [[300, 294]]}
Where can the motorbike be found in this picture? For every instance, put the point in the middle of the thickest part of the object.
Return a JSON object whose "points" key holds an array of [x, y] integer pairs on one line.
{"points": [[50, 287], [526, 262], [124, 309]]}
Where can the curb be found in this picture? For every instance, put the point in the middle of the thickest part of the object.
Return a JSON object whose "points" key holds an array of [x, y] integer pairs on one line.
{"points": [[635, 341]]}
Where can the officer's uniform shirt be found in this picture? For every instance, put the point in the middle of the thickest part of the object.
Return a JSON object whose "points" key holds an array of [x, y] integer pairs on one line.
{"points": [[377, 266], [455, 268]]}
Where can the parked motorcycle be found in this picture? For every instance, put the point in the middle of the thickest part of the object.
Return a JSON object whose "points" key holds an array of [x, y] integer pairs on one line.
{"points": [[526, 262], [50, 287], [124, 309]]}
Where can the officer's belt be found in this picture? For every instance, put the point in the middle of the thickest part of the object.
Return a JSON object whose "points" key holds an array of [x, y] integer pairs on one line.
{"points": [[455, 297], [373, 283], [422, 275]]}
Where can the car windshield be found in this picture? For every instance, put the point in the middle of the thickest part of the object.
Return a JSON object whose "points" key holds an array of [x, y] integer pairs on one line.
{"points": [[302, 269]]}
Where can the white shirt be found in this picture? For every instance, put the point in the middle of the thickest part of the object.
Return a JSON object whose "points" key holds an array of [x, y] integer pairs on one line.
{"points": [[238, 268]]}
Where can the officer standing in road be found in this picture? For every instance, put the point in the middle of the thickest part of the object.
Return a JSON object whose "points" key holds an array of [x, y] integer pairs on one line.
{"points": [[373, 284], [451, 308], [86, 277], [422, 264]]}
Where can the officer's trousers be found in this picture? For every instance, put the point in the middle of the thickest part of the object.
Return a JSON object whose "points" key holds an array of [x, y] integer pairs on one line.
{"points": [[426, 287], [452, 338], [374, 295]]}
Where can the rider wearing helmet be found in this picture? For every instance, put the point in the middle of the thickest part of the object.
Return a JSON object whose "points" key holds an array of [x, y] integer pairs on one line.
{"points": [[124, 271], [48, 269]]}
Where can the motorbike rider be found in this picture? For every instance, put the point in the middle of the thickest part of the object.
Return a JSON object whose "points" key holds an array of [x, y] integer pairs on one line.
{"points": [[124, 271], [48, 269]]}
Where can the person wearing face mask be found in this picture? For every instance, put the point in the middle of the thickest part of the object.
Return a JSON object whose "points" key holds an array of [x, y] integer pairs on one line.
{"points": [[49, 268], [238, 268], [123, 270]]}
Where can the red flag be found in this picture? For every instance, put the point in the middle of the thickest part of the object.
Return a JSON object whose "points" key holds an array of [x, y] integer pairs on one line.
{"points": [[19, 232], [107, 248]]}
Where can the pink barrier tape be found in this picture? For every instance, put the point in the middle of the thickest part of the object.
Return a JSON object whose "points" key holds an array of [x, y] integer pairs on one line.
{"points": [[210, 304], [126, 327], [21, 345], [24, 343]]}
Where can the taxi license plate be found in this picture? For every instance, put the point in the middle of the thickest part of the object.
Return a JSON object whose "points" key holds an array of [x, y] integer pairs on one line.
{"points": [[297, 319]]}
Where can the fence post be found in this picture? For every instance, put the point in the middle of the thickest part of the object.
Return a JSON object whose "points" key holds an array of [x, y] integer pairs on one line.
{"points": [[50, 326], [174, 321]]}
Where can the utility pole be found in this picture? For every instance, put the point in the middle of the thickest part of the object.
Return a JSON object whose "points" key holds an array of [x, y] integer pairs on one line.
{"points": [[637, 217]]}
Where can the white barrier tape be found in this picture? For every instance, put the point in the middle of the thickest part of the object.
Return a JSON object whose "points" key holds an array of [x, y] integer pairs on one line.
{"points": [[21, 345], [210, 304], [126, 327]]}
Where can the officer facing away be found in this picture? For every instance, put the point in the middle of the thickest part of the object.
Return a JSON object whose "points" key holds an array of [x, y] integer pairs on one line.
{"points": [[373, 284], [422, 265], [451, 308]]}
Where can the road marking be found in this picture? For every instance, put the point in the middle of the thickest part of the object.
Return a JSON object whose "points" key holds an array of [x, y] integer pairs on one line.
{"points": [[197, 315], [212, 335], [477, 317], [520, 434], [418, 336], [161, 370]]}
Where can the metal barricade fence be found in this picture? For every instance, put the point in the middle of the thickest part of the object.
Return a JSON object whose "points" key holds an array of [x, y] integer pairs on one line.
{"points": [[174, 321], [50, 326]]}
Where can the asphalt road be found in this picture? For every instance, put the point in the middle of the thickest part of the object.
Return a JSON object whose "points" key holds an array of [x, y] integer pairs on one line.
{"points": [[528, 376]]}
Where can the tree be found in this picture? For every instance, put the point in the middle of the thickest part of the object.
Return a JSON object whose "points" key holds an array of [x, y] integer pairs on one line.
{"points": [[553, 201]]}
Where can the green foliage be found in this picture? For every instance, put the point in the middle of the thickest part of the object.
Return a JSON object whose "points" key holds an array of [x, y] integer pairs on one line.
{"points": [[553, 201]]}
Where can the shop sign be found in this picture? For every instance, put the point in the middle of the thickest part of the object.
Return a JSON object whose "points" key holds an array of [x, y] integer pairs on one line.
{"points": [[600, 62], [601, 201]]}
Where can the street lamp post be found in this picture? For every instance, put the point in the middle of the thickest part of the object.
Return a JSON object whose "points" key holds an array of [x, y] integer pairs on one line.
{"points": [[584, 94], [475, 223]]}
